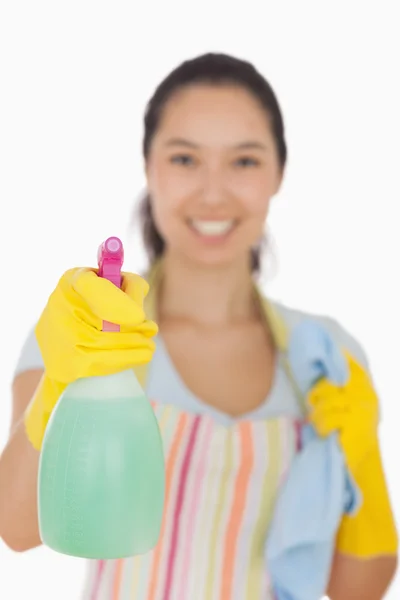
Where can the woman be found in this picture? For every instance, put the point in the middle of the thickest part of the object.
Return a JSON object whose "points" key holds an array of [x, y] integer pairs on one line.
{"points": [[215, 155]]}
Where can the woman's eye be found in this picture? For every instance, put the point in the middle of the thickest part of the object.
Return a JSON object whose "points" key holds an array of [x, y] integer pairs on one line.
{"points": [[182, 159], [247, 161]]}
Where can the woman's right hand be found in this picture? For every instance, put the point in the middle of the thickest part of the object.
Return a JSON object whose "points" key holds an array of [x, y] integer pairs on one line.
{"points": [[73, 345]]}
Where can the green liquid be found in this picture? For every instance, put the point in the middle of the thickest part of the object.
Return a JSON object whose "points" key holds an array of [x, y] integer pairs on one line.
{"points": [[101, 478]]}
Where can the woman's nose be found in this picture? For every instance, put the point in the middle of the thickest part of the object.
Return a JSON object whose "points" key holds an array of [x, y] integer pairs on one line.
{"points": [[213, 190]]}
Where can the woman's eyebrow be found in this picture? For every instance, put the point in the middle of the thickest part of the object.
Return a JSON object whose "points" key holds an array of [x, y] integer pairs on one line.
{"points": [[247, 145]]}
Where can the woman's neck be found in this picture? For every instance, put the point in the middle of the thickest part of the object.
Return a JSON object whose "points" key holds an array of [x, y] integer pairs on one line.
{"points": [[205, 295]]}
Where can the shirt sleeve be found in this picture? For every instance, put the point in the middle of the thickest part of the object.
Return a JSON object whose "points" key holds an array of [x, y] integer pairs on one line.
{"points": [[341, 335], [30, 357], [346, 340]]}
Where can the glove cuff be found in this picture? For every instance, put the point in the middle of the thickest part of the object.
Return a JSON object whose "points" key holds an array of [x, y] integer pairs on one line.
{"points": [[371, 531]]}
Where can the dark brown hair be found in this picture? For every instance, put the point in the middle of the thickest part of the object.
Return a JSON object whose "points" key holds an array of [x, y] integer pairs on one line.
{"points": [[214, 69]]}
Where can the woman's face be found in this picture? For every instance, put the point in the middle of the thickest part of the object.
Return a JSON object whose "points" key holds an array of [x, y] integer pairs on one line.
{"points": [[212, 171]]}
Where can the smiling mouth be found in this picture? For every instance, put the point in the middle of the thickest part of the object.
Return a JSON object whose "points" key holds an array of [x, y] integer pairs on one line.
{"points": [[212, 228]]}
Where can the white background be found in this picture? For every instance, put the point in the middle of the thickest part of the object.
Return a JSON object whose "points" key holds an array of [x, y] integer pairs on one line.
{"points": [[74, 79]]}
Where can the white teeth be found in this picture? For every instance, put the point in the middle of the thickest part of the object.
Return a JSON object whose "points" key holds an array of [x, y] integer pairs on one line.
{"points": [[212, 227]]}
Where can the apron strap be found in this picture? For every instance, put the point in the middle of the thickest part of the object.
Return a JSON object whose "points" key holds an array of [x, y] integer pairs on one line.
{"points": [[281, 334]]}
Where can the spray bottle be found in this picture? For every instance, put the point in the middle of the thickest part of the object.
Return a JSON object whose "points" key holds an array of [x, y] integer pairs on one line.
{"points": [[101, 473]]}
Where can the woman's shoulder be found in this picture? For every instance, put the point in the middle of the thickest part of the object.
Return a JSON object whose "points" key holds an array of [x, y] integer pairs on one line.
{"points": [[340, 334]]}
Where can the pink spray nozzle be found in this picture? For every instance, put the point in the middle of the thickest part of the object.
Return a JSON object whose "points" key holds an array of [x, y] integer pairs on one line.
{"points": [[110, 258]]}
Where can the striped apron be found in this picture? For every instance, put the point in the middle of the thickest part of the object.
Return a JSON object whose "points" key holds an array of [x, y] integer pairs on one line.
{"points": [[221, 486]]}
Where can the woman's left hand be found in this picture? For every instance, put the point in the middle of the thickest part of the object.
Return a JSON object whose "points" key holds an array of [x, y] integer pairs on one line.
{"points": [[352, 410]]}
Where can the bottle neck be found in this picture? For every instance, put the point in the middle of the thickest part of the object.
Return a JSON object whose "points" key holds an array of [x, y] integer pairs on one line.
{"points": [[106, 387]]}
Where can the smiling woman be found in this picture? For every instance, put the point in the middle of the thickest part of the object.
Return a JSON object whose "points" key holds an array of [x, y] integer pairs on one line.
{"points": [[230, 416], [218, 122], [211, 178]]}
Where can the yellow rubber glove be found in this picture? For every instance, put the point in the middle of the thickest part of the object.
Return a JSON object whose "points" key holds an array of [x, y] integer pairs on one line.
{"points": [[352, 411], [73, 345]]}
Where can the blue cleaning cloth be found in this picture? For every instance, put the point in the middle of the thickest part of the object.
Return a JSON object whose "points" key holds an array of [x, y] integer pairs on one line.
{"points": [[318, 489]]}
